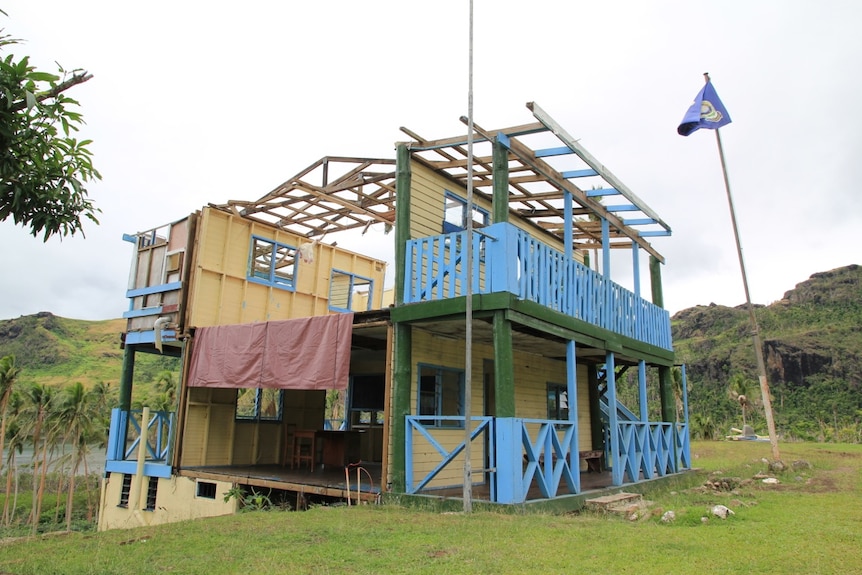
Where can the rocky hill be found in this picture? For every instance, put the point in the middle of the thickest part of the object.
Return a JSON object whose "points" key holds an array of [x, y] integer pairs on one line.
{"points": [[812, 342]]}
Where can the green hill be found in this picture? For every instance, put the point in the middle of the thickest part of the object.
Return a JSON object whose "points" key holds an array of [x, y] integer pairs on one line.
{"points": [[57, 351], [812, 343]]}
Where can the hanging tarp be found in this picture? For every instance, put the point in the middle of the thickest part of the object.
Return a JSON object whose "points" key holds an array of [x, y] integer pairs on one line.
{"points": [[304, 353]]}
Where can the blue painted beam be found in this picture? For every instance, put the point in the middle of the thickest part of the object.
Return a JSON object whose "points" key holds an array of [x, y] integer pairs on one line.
{"points": [[560, 151], [623, 208], [142, 312], [654, 234], [579, 173], [503, 140], [603, 192], [137, 337], [639, 222], [131, 467]]}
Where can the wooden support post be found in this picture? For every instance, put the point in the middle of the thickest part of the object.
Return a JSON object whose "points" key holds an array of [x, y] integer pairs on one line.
{"points": [[504, 367], [400, 403]]}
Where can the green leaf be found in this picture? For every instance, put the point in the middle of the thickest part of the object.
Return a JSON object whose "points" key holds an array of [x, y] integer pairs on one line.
{"points": [[43, 77], [31, 100]]}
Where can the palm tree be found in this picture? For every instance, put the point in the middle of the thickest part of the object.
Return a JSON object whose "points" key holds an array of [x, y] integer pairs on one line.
{"points": [[75, 414], [38, 398], [17, 437], [738, 392], [8, 376]]}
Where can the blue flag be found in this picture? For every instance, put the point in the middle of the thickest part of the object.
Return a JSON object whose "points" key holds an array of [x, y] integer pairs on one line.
{"points": [[707, 111]]}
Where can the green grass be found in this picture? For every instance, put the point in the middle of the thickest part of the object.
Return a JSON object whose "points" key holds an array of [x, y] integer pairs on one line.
{"points": [[810, 523]]}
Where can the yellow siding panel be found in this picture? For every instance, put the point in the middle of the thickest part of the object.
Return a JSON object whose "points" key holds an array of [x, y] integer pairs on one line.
{"points": [[220, 293]]}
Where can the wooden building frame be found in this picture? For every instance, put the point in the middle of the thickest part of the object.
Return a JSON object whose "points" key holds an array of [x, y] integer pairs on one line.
{"points": [[548, 329]]}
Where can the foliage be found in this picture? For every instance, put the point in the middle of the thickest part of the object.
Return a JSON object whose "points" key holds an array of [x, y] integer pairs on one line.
{"points": [[249, 499], [813, 350], [44, 168]]}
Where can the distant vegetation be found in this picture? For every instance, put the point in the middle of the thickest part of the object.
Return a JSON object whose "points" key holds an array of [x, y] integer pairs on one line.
{"points": [[59, 379], [812, 341]]}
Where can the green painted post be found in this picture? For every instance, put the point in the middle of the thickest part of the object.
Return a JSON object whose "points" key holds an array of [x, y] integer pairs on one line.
{"points": [[655, 281], [401, 383], [500, 169], [403, 178], [126, 378], [665, 386], [504, 367]]}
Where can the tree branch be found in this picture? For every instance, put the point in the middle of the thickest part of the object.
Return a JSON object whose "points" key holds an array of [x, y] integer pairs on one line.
{"points": [[56, 90]]}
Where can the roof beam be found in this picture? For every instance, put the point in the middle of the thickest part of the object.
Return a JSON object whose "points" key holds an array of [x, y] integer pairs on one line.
{"points": [[582, 153]]}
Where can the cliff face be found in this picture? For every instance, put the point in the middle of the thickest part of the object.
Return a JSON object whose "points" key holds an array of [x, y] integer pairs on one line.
{"points": [[812, 342]]}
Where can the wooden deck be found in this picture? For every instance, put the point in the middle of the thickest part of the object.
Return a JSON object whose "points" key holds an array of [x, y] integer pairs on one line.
{"points": [[327, 481], [332, 482]]}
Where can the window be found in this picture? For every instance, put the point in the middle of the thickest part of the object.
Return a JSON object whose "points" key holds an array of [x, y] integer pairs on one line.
{"points": [[125, 489], [152, 492], [349, 292], [272, 263], [206, 490], [441, 393], [259, 404], [455, 214], [558, 402]]}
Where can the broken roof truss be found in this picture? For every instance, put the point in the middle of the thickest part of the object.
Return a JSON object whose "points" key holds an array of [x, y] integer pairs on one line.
{"points": [[343, 193]]}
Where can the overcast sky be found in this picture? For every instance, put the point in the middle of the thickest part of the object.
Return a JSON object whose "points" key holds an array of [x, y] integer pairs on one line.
{"points": [[195, 102]]}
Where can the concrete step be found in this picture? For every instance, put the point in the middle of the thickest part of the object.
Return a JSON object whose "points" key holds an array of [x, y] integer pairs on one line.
{"points": [[616, 502]]}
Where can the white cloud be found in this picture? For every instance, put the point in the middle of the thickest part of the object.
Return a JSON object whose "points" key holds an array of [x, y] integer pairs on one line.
{"points": [[198, 102]]}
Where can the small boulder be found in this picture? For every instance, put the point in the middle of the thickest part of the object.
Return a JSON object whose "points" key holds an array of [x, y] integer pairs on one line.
{"points": [[721, 511], [668, 517]]}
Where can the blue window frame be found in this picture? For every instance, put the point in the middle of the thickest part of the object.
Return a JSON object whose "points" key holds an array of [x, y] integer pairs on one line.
{"points": [[259, 404], [440, 393], [272, 263], [350, 292], [455, 214]]}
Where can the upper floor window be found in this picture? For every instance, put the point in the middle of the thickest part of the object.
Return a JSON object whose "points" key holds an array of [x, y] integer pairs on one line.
{"points": [[441, 393], [455, 214], [350, 292], [272, 263]]}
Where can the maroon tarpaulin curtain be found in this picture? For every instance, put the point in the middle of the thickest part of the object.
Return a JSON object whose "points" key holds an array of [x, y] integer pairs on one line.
{"points": [[304, 353]]}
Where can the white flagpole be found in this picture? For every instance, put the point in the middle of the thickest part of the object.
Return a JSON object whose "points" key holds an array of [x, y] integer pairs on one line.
{"points": [[755, 330], [468, 311]]}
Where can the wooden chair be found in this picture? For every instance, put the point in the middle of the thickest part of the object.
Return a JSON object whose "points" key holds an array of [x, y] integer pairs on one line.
{"points": [[304, 448]]}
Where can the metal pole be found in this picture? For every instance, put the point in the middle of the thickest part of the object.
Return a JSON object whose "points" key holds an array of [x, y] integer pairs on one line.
{"points": [[468, 311], [755, 331]]}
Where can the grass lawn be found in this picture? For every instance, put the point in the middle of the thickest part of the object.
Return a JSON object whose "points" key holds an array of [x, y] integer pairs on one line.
{"points": [[809, 523]]}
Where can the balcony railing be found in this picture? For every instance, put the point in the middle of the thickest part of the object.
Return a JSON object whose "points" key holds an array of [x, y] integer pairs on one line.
{"points": [[507, 259], [129, 434]]}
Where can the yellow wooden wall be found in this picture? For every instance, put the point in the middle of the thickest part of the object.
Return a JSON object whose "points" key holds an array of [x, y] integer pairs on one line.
{"points": [[220, 293], [213, 436], [532, 375], [427, 199]]}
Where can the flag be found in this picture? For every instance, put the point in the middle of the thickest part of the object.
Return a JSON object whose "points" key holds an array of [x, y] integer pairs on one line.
{"points": [[707, 111]]}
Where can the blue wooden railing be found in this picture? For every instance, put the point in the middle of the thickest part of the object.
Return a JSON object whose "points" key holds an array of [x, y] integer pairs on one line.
{"points": [[508, 259], [427, 427], [520, 453], [125, 440]]}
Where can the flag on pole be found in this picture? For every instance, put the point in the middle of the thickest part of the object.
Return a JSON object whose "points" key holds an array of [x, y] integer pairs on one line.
{"points": [[707, 111]]}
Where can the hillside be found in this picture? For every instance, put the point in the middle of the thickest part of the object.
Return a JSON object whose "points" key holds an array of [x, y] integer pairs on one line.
{"points": [[57, 351], [812, 341]]}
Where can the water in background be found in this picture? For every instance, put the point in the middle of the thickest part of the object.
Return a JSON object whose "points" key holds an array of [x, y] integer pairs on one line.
{"points": [[95, 460]]}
